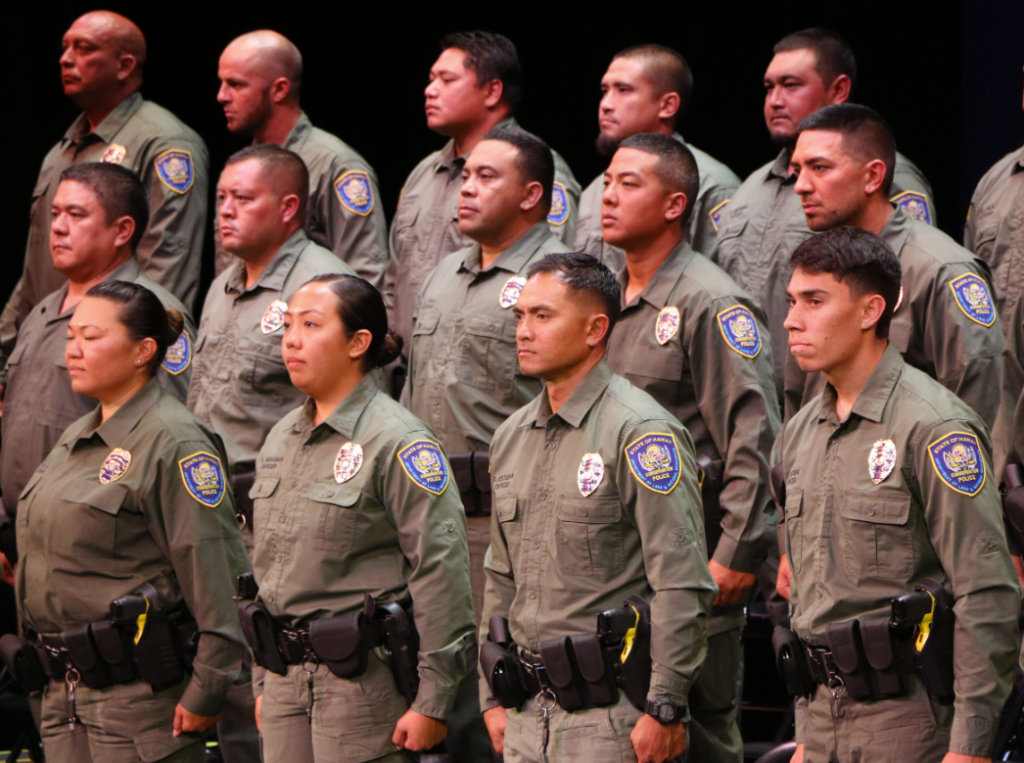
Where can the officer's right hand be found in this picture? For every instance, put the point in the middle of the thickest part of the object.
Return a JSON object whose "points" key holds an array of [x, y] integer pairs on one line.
{"points": [[798, 756], [259, 704], [784, 581], [495, 721]]}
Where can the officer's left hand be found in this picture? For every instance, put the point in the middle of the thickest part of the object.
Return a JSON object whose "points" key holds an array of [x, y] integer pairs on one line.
{"points": [[733, 587], [418, 732], [190, 723], [955, 757], [655, 743]]}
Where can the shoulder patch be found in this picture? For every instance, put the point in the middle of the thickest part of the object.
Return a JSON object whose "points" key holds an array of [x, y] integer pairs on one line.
{"points": [[203, 476], [559, 205], [175, 169], [355, 192], [915, 204], [425, 464], [740, 330], [716, 214], [971, 293], [114, 154], [654, 461], [958, 461], [179, 355]]}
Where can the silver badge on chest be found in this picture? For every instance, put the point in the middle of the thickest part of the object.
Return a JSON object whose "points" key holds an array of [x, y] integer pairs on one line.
{"points": [[115, 465], [590, 474], [273, 317], [881, 460], [667, 325], [511, 290], [346, 465]]}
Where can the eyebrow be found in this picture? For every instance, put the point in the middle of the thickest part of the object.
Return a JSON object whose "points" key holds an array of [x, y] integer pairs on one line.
{"points": [[80, 207], [625, 173], [482, 167], [807, 292], [307, 310]]}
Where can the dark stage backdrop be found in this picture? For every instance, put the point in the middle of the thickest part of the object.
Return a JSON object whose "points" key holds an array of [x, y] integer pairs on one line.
{"points": [[947, 75]]}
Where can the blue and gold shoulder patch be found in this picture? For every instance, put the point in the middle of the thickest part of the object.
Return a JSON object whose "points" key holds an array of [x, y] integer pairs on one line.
{"points": [[559, 205], [958, 461], [175, 169], [426, 465], [179, 355], [915, 204], [972, 296], [355, 192], [654, 461], [740, 330], [203, 476], [716, 214]]}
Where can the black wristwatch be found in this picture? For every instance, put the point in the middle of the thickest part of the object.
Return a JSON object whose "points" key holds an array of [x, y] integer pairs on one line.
{"points": [[664, 712]]}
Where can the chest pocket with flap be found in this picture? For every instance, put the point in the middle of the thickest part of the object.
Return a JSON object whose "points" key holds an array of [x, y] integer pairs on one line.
{"points": [[333, 510], [590, 535], [879, 533]]}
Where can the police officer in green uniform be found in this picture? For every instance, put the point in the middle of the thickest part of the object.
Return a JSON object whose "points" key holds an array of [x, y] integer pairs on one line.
{"points": [[101, 71], [888, 486], [945, 321], [99, 217], [596, 499], [475, 85], [763, 223], [133, 502], [260, 78], [692, 339], [647, 89], [354, 497]]}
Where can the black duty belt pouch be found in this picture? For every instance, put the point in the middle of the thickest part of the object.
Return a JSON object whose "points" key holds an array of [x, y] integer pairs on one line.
{"points": [[636, 670], [482, 479], [935, 661], [261, 632], [556, 654], [596, 671], [791, 662], [501, 665], [390, 624], [115, 650], [777, 481], [710, 493], [886, 672], [462, 471], [339, 644], [86, 658], [848, 653], [22, 659]]}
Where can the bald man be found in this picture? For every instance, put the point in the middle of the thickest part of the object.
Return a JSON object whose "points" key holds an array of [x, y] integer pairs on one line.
{"points": [[101, 71], [260, 79]]}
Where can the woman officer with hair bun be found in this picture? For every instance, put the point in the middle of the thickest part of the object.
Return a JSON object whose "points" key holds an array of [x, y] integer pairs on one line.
{"points": [[132, 502], [353, 496]]}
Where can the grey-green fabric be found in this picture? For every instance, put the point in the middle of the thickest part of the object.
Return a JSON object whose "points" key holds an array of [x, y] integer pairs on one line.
{"points": [[558, 557], [321, 544], [717, 185], [240, 385], [854, 544], [39, 403], [84, 543], [1008, 433], [426, 226]]}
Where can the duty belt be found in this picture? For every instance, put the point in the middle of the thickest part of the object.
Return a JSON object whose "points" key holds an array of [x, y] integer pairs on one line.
{"points": [[294, 646], [534, 675], [822, 664]]}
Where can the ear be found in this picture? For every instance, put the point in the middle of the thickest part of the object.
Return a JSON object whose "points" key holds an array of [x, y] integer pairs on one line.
{"points": [[675, 206], [668, 106], [289, 207], [839, 90], [125, 227], [126, 66], [872, 307], [597, 329], [280, 89], [533, 194], [493, 92], [359, 344], [874, 176], [147, 349]]}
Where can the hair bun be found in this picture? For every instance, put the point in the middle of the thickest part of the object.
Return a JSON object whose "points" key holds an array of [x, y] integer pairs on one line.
{"points": [[390, 349], [175, 324]]}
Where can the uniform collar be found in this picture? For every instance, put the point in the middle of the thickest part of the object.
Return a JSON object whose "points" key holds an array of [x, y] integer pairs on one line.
{"points": [[299, 134], [780, 168], [516, 256], [345, 417], [575, 409], [128, 271], [871, 401], [446, 156], [114, 430], [111, 124], [276, 272], [665, 279], [897, 230]]}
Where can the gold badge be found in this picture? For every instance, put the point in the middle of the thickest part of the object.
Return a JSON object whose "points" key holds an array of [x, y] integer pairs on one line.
{"points": [[347, 464], [590, 474], [115, 465], [114, 154], [511, 290], [667, 325], [273, 318], [881, 460]]}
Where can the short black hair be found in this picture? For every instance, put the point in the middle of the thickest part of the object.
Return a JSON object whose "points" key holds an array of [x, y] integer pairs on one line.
{"points": [[676, 167], [535, 161], [833, 54], [119, 191], [583, 273], [665, 69], [866, 134], [491, 56], [858, 258], [283, 170]]}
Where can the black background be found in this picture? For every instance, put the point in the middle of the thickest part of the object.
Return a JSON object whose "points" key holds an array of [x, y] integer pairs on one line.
{"points": [[947, 75]]}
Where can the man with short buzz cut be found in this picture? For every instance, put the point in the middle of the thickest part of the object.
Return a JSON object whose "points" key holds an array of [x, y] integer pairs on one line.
{"points": [[101, 71], [762, 224], [945, 321], [887, 493], [647, 89], [693, 340], [476, 84], [596, 507], [261, 76]]}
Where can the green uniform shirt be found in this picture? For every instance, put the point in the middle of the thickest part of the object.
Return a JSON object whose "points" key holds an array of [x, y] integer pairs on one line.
{"points": [[1008, 433], [713, 372], [240, 385], [426, 226], [173, 163], [995, 229], [901, 491], [764, 223], [717, 185], [573, 534], [945, 325], [84, 543], [330, 528], [32, 426], [464, 377]]}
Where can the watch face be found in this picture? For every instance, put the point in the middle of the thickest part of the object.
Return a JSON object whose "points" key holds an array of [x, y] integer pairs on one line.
{"points": [[666, 712]]}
